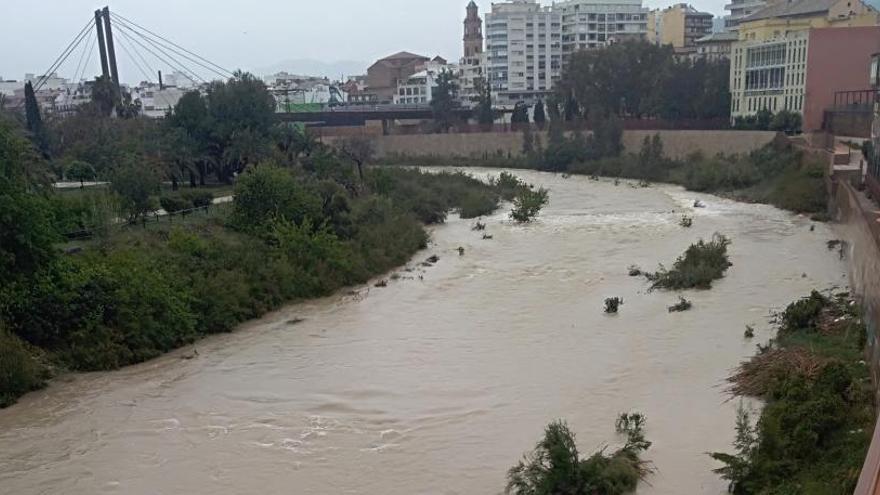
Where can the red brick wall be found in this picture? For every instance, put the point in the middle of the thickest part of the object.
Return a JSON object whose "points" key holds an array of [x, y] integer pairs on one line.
{"points": [[838, 59]]}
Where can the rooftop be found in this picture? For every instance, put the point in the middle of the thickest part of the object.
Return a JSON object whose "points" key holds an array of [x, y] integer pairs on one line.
{"points": [[789, 8], [719, 37]]}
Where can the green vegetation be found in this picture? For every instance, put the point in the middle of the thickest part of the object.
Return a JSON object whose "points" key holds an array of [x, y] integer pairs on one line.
{"points": [[813, 434], [307, 220], [648, 81], [785, 121], [555, 466], [776, 174], [528, 203], [702, 263]]}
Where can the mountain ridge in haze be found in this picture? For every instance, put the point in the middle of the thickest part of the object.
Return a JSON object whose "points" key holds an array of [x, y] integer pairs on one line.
{"points": [[312, 67]]}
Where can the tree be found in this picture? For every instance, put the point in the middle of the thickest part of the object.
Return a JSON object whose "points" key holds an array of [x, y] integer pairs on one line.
{"points": [[105, 95], [80, 171], [607, 136], [528, 203], [520, 114], [26, 232], [485, 113], [443, 98], [358, 149], [136, 186], [34, 120], [267, 194], [539, 116]]}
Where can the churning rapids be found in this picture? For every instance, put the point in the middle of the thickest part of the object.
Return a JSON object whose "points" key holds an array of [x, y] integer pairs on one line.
{"points": [[439, 385]]}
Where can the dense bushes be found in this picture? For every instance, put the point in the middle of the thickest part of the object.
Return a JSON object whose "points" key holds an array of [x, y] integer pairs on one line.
{"points": [[814, 432], [20, 372], [555, 466], [702, 263]]}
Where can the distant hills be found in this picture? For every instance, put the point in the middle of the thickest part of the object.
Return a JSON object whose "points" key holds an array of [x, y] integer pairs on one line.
{"points": [[311, 67]]}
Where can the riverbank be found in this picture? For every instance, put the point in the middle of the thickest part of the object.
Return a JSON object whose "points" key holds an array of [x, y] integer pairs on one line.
{"points": [[134, 294], [775, 174], [817, 422]]}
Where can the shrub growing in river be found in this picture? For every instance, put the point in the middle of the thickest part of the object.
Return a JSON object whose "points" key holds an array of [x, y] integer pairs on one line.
{"points": [[20, 372], [700, 265], [555, 466], [528, 203]]}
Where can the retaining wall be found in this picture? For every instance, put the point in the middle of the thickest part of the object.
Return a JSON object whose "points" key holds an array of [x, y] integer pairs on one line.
{"points": [[676, 144]]}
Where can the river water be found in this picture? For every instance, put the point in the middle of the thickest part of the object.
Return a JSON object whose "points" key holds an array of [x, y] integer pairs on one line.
{"points": [[438, 383]]}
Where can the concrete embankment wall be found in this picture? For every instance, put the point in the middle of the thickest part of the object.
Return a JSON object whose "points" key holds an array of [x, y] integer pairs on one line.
{"points": [[676, 144], [859, 228]]}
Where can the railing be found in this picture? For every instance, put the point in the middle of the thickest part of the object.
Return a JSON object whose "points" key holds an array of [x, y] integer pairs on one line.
{"points": [[856, 101]]}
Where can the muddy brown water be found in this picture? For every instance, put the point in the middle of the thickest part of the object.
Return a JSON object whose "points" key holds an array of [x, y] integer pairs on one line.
{"points": [[438, 384]]}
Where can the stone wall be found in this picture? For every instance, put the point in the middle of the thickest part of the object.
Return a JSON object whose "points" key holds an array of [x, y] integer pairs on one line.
{"points": [[676, 144], [859, 228]]}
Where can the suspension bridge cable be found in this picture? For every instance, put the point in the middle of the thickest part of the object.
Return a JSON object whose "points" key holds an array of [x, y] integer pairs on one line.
{"points": [[84, 60], [227, 72], [149, 79], [157, 41], [164, 52], [159, 57], [63, 57], [85, 66]]}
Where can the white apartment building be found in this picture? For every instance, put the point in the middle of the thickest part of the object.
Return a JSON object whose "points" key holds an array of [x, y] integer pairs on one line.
{"points": [[599, 23], [418, 88], [156, 102], [523, 51]]}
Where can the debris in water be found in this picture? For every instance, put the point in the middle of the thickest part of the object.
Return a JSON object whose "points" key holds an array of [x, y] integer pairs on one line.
{"points": [[487, 237], [381, 283], [686, 222], [635, 271], [479, 226], [699, 204], [682, 305], [750, 332], [295, 321], [612, 305], [812, 228], [433, 259]]}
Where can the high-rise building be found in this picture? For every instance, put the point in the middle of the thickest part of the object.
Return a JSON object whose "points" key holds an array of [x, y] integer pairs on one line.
{"points": [[680, 26], [598, 23], [523, 51], [794, 56]]}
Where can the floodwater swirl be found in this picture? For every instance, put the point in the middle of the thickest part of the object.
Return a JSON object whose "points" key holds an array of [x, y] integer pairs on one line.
{"points": [[439, 382]]}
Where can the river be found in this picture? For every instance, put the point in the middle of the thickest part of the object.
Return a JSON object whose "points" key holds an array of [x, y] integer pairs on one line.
{"points": [[439, 382]]}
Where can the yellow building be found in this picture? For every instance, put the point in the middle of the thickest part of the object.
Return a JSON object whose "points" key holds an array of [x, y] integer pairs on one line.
{"points": [[769, 60], [679, 25]]}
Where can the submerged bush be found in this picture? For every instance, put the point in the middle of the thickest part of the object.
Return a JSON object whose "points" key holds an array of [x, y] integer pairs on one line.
{"points": [[702, 263], [555, 466], [528, 203], [612, 305], [682, 305]]}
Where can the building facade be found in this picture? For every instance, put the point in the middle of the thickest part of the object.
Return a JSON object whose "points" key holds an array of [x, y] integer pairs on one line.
{"points": [[679, 26], [384, 76], [523, 51], [418, 89], [740, 9], [716, 46], [771, 63], [596, 24]]}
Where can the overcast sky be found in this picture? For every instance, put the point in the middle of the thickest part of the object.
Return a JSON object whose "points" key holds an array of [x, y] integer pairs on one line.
{"points": [[254, 35]]}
